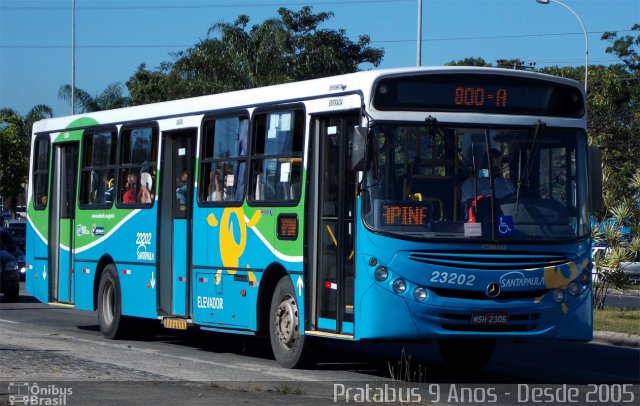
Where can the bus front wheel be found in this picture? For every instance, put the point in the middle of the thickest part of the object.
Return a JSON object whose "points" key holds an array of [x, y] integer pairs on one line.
{"points": [[113, 324], [467, 354], [290, 349]]}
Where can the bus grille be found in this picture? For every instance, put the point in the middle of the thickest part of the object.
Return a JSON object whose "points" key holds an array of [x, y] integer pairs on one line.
{"points": [[503, 260], [478, 295], [462, 322]]}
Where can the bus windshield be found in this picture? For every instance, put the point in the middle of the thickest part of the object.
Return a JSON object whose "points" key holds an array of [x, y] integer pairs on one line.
{"points": [[477, 182]]}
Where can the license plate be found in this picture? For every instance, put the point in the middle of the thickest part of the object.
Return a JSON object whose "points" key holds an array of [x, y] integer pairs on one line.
{"points": [[490, 318]]}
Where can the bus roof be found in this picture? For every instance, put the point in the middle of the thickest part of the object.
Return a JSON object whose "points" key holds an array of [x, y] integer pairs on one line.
{"points": [[288, 92]]}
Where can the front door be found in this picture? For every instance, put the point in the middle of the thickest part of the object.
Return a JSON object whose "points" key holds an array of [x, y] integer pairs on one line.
{"points": [[61, 222], [176, 206], [335, 211]]}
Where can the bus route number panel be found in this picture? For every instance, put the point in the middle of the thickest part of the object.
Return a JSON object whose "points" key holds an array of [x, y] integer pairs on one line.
{"points": [[413, 216]]}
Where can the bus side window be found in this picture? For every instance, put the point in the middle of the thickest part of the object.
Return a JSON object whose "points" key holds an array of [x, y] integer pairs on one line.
{"points": [[138, 159], [97, 167], [41, 172], [277, 152], [223, 160]]}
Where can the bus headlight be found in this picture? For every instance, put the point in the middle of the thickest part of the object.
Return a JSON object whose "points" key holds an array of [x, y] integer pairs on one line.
{"points": [[399, 285], [585, 277], [373, 261], [420, 294], [381, 273], [558, 295], [574, 289]]}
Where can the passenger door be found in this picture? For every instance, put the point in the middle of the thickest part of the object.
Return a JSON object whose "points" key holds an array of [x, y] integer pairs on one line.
{"points": [[62, 222], [333, 251], [176, 205]]}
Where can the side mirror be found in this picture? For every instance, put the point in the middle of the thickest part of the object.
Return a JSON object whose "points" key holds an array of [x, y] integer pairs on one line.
{"points": [[594, 162], [359, 144]]}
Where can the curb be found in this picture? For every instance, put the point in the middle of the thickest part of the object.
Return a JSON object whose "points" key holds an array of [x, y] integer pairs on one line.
{"points": [[621, 339]]}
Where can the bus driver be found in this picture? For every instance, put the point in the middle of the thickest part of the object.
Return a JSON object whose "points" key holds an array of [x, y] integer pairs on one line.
{"points": [[478, 184]]}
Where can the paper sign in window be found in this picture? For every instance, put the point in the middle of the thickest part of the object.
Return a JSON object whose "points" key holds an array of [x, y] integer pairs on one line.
{"points": [[285, 171]]}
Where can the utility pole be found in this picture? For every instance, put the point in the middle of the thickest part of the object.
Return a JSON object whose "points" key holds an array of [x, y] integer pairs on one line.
{"points": [[419, 51], [73, 56]]}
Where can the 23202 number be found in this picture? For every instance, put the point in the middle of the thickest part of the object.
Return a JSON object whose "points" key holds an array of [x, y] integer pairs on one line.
{"points": [[143, 238], [453, 278]]}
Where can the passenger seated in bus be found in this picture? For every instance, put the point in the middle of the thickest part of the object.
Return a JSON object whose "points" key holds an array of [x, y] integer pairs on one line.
{"points": [[130, 194], [146, 183], [294, 189], [259, 192], [478, 185], [215, 193], [181, 192], [108, 194]]}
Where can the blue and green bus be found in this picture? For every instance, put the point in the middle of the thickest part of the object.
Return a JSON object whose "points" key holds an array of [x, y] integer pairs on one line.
{"points": [[447, 204]]}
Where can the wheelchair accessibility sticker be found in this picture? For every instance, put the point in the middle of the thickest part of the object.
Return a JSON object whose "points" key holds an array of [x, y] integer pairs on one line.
{"points": [[505, 226]]}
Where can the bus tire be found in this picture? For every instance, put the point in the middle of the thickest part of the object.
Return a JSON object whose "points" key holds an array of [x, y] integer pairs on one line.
{"points": [[290, 349], [467, 354], [12, 290], [113, 325]]}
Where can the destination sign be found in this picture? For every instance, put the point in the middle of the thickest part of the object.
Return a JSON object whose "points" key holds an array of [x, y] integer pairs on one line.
{"points": [[493, 93], [404, 214]]}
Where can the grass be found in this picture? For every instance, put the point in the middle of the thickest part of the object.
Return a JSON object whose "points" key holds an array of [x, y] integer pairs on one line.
{"points": [[286, 389], [617, 320], [403, 371]]}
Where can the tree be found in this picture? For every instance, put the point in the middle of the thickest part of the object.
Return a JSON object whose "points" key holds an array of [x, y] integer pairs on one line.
{"points": [[15, 136], [614, 125], [236, 56], [618, 242], [146, 86], [469, 62], [110, 98], [615, 103], [317, 53], [623, 47]]}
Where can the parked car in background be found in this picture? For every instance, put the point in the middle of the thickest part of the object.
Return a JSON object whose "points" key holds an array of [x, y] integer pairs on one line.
{"points": [[9, 276], [632, 270], [18, 231], [11, 247], [21, 213], [5, 215]]}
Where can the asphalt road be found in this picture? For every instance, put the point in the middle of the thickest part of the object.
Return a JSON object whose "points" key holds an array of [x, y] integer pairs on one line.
{"points": [[41, 343], [629, 299]]}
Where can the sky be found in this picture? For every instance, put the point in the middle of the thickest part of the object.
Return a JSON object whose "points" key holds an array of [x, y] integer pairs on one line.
{"points": [[113, 37]]}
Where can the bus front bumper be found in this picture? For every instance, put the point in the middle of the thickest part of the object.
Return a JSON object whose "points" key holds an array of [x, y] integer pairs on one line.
{"points": [[387, 315]]}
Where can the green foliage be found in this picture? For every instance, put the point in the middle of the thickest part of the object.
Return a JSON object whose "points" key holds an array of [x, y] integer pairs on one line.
{"points": [[110, 98], [514, 63], [623, 47], [626, 321], [469, 62], [146, 86], [15, 136], [237, 56]]}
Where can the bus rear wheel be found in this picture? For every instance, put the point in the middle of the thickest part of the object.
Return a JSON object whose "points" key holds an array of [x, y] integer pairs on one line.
{"points": [[11, 288], [113, 324], [290, 349], [467, 354]]}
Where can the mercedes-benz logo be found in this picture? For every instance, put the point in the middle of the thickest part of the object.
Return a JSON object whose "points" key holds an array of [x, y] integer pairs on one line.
{"points": [[493, 290]]}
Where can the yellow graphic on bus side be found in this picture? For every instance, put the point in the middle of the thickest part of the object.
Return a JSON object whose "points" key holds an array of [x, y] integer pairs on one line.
{"points": [[231, 246], [554, 275]]}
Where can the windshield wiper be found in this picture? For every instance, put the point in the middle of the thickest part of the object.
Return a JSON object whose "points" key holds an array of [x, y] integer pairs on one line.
{"points": [[535, 143]]}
